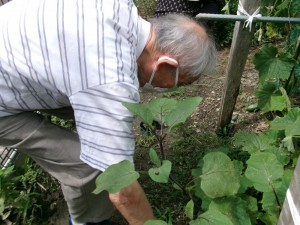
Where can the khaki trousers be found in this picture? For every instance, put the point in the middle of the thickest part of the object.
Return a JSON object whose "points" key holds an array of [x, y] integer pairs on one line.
{"points": [[57, 151]]}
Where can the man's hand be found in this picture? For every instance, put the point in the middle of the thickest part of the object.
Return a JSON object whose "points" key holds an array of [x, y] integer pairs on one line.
{"points": [[132, 203]]}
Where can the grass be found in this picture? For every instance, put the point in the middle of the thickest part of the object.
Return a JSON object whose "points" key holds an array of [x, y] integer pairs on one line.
{"points": [[28, 194]]}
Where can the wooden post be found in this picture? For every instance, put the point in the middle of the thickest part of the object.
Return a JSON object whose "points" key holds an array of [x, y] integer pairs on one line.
{"points": [[237, 59], [290, 213]]}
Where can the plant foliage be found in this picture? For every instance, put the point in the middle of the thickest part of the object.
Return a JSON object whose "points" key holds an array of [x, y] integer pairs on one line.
{"points": [[22, 202], [249, 190]]}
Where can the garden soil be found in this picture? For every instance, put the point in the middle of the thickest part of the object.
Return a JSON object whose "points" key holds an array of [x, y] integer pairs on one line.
{"points": [[205, 117]]}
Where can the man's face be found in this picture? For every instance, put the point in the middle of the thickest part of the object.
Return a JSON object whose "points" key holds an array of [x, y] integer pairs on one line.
{"points": [[164, 77]]}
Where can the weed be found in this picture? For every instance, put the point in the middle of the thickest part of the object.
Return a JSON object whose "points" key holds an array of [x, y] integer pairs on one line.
{"points": [[25, 194]]}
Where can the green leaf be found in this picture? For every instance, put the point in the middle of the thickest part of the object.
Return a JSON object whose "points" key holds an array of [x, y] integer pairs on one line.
{"points": [[140, 111], [219, 177], [164, 110], [252, 207], [277, 103], [293, 129], [280, 153], [245, 184], [182, 111], [288, 143], [286, 97], [238, 165], [189, 209], [155, 222], [281, 123], [271, 65], [205, 200], [290, 124], [154, 157], [281, 192], [233, 207], [161, 174], [160, 108], [270, 217], [116, 177], [270, 98], [212, 217], [254, 143], [265, 171], [268, 200]]}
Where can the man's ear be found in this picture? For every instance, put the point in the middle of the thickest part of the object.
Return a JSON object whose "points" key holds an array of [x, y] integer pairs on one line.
{"points": [[166, 61]]}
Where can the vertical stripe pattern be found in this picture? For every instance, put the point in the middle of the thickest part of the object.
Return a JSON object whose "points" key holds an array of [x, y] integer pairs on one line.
{"points": [[57, 53]]}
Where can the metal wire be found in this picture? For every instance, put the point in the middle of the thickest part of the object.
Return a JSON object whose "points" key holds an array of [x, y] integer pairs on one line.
{"points": [[223, 17]]}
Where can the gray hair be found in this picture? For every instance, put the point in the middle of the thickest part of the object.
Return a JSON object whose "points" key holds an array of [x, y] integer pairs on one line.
{"points": [[195, 54]]}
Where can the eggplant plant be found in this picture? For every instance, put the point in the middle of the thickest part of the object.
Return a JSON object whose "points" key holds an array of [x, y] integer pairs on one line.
{"points": [[168, 113], [231, 191]]}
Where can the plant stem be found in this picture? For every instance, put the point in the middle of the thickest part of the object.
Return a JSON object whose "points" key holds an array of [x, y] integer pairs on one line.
{"points": [[297, 53], [161, 147], [277, 199], [179, 185]]}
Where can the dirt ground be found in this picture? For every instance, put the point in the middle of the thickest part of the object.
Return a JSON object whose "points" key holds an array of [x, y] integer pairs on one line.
{"points": [[210, 88], [205, 117]]}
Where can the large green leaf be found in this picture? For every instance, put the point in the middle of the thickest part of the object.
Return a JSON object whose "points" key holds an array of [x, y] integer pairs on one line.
{"points": [[161, 107], [161, 174], [182, 111], [265, 171], [233, 207], [116, 177], [281, 123], [281, 154], [252, 142], [290, 124], [140, 111], [164, 110], [212, 217], [271, 65], [219, 177], [271, 98]]}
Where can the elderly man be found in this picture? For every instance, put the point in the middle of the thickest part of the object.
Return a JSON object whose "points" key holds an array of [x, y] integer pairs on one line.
{"points": [[82, 59]]}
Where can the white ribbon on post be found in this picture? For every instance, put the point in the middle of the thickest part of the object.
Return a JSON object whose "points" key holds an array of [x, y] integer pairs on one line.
{"points": [[242, 12]]}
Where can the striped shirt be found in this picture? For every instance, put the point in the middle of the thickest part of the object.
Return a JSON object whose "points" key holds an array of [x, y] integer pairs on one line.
{"points": [[79, 53]]}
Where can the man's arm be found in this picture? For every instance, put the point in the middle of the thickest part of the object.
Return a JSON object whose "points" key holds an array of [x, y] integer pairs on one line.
{"points": [[133, 204]]}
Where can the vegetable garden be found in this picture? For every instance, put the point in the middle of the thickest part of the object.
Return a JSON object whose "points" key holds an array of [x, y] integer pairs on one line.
{"points": [[192, 171]]}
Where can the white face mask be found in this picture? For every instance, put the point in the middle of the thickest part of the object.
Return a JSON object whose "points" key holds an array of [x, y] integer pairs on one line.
{"points": [[148, 87]]}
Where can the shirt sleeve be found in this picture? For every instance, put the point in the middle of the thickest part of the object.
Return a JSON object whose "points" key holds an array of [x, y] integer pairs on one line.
{"points": [[104, 125]]}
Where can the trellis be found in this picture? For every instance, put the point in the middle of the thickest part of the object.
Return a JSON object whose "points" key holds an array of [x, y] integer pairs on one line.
{"points": [[290, 214]]}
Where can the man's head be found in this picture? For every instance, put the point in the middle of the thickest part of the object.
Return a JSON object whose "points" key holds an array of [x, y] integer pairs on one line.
{"points": [[176, 44]]}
